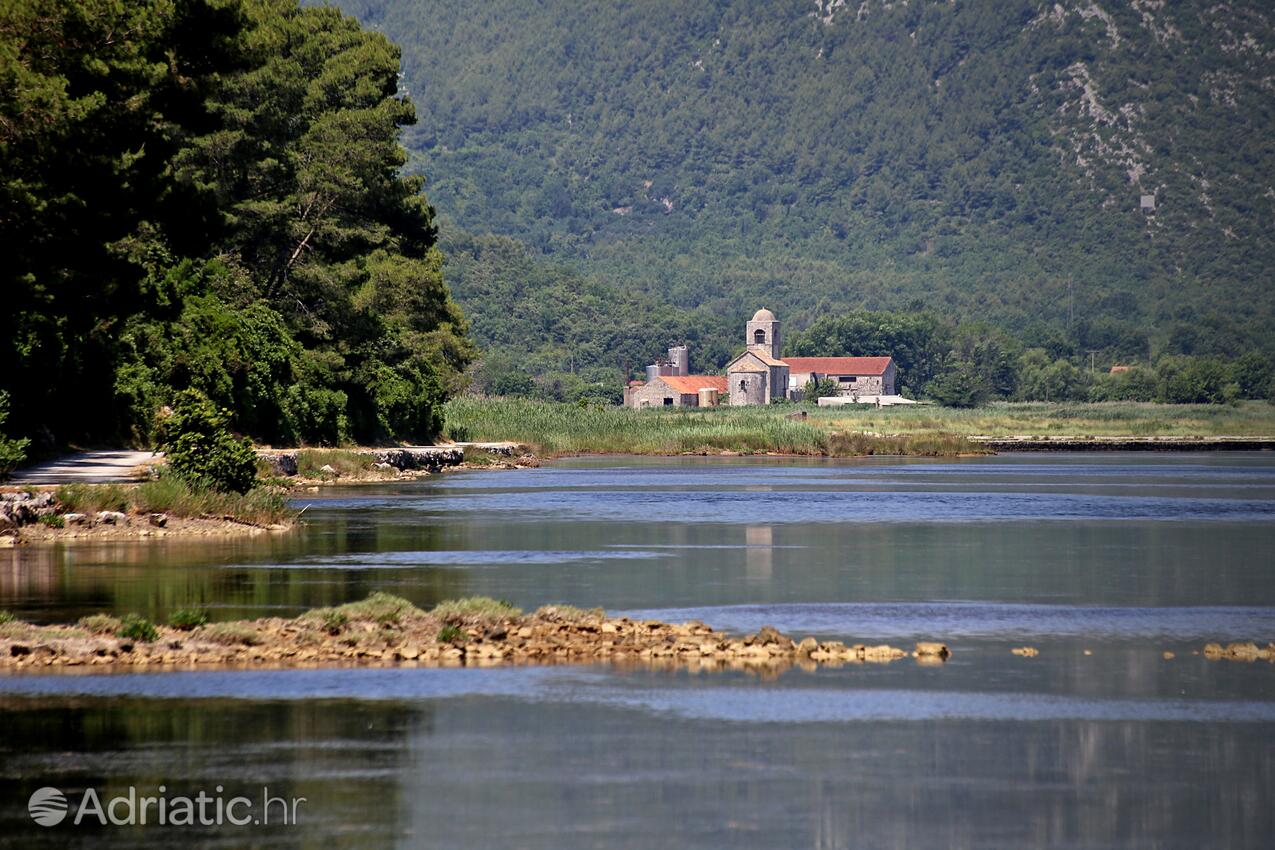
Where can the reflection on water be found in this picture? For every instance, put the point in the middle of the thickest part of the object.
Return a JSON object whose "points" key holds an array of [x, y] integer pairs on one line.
{"points": [[1122, 556]]}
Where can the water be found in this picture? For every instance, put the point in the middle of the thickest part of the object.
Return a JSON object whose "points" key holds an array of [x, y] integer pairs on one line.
{"points": [[1124, 556]]}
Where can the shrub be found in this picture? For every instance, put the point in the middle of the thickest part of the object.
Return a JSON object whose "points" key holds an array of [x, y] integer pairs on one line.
{"points": [[134, 627], [817, 388], [451, 634], [6, 617], [200, 448], [12, 451], [100, 624], [186, 619], [229, 634], [53, 521]]}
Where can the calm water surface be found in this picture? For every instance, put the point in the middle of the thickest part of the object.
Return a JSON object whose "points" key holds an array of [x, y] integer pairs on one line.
{"points": [[1122, 555]]}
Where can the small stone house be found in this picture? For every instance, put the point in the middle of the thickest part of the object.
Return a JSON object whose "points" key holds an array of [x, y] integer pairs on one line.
{"points": [[674, 390]]}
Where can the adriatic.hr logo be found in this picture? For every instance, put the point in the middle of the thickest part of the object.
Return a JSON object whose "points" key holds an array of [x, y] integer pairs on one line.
{"points": [[50, 807], [47, 807]]}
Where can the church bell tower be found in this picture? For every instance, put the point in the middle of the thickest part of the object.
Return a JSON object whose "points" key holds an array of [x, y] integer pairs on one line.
{"points": [[763, 333]]}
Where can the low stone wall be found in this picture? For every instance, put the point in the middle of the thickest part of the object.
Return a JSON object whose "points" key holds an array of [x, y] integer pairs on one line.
{"points": [[426, 458]]}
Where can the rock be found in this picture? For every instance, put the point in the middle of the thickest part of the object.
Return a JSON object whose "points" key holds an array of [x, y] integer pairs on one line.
{"points": [[327, 469], [932, 649], [1026, 651], [75, 519], [1213, 651], [111, 518], [1168, 656], [1243, 651], [807, 646], [282, 463], [159, 520]]}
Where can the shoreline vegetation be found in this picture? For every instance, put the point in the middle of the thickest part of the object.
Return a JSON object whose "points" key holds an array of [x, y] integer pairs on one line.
{"points": [[552, 429], [384, 630]]}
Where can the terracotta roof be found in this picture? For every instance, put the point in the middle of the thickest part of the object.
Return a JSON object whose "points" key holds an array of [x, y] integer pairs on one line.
{"points": [[694, 383], [838, 365]]}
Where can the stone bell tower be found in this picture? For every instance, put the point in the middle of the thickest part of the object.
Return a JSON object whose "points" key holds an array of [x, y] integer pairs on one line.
{"points": [[763, 333]]}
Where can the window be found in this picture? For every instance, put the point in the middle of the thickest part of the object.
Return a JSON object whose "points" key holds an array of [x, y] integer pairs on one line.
{"points": [[759, 337], [847, 379], [668, 402], [743, 385]]}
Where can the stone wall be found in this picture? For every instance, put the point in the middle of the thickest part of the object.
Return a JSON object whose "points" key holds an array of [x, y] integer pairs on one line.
{"points": [[654, 393]]}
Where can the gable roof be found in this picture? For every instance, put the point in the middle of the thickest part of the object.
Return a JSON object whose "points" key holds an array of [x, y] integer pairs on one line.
{"points": [[839, 365], [762, 357], [694, 383]]}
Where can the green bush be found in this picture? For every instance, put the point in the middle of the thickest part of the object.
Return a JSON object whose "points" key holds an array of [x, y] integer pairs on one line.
{"points": [[201, 449], [6, 617], [53, 521], [12, 452], [333, 621], [134, 627], [186, 619]]}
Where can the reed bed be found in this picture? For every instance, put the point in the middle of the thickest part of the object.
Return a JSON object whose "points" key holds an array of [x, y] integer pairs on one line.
{"points": [[550, 429]]}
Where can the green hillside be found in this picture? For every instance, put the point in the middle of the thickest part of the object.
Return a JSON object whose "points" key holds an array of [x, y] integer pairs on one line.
{"points": [[977, 160]]}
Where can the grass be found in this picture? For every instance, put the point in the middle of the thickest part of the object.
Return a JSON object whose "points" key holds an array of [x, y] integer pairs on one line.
{"points": [[474, 608], [556, 429], [346, 462], [561, 429], [6, 617], [384, 609], [100, 624], [171, 495], [570, 613], [229, 634], [451, 634]]}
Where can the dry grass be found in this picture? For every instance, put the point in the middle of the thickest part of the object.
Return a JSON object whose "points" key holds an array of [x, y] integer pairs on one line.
{"points": [[171, 495]]}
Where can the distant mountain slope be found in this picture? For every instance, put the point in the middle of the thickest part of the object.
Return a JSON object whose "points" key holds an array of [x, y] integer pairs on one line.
{"points": [[985, 159]]}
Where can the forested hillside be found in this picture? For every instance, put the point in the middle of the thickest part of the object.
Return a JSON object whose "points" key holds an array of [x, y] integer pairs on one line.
{"points": [[973, 159], [207, 195]]}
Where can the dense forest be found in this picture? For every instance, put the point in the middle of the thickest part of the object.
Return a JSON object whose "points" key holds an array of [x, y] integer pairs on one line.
{"points": [[208, 196], [616, 176]]}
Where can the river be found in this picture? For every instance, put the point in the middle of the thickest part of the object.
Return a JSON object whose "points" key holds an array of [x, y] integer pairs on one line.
{"points": [[1102, 562]]}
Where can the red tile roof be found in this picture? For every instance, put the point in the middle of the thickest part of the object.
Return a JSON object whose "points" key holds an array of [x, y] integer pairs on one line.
{"points": [[838, 365], [694, 383]]}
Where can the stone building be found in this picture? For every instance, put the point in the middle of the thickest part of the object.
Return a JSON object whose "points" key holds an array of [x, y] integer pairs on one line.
{"points": [[676, 391], [759, 374], [855, 376]]}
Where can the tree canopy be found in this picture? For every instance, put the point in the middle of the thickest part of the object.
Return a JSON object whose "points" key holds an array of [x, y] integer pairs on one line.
{"points": [[207, 195]]}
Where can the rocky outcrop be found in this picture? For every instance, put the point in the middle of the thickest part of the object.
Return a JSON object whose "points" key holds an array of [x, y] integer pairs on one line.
{"points": [[23, 508], [1240, 651], [549, 636]]}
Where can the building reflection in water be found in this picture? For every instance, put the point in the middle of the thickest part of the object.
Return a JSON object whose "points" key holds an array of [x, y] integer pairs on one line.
{"points": [[760, 554]]}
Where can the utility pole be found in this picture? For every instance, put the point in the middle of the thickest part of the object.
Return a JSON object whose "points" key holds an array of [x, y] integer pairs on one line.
{"points": [[1092, 352]]}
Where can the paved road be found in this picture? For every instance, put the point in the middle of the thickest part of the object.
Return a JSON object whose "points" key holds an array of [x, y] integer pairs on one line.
{"points": [[90, 467]]}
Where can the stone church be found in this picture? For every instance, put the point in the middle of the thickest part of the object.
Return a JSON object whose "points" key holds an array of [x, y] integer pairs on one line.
{"points": [[759, 375]]}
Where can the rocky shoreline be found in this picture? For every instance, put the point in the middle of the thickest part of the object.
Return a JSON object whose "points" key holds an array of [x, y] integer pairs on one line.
{"points": [[387, 631]]}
